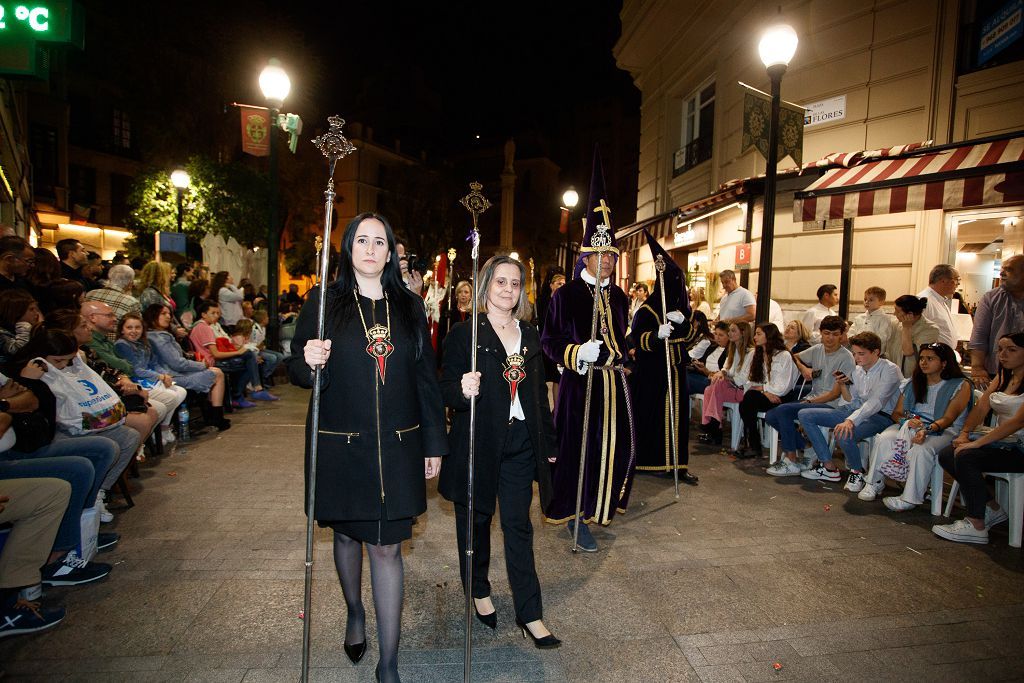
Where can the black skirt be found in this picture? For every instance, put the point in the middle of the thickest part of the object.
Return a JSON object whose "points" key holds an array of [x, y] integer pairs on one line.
{"points": [[381, 531]]}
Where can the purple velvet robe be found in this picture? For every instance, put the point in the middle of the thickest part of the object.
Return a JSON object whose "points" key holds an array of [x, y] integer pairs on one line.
{"points": [[650, 390], [611, 450]]}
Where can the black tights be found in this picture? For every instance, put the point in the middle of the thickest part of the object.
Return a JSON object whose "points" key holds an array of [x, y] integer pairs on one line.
{"points": [[387, 581]]}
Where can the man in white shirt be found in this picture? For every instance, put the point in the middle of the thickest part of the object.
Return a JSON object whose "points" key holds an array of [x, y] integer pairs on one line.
{"points": [[942, 283], [828, 299], [738, 304], [872, 393], [775, 315]]}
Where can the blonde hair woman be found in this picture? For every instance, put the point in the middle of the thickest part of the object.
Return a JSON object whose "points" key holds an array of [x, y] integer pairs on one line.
{"points": [[726, 384], [155, 288]]}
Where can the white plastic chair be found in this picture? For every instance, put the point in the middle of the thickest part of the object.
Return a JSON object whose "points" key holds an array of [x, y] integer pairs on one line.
{"points": [[1009, 494]]}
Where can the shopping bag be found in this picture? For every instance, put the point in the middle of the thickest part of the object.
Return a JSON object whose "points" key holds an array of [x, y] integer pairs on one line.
{"points": [[90, 531], [85, 403], [896, 466]]}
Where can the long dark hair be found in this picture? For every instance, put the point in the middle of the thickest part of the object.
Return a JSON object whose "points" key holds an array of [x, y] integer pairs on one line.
{"points": [[340, 301], [14, 304], [701, 329], [763, 355], [950, 370], [45, 342], [219, 280], [1004, 376], [150, 316]]}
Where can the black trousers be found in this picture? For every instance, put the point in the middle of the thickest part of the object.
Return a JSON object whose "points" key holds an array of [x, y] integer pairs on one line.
{"points": [[515, 494], [967, 469], [753, 403]]}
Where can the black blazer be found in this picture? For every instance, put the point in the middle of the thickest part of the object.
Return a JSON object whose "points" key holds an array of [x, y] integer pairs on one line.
{"points": [[492, 408]]}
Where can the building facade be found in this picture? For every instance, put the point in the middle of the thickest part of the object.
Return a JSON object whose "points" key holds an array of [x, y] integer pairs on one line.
{"points": [[889, 72]]}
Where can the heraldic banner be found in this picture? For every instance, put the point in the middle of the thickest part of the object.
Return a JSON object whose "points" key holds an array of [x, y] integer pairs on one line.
{"points": [[757, 110], [255, 130]]}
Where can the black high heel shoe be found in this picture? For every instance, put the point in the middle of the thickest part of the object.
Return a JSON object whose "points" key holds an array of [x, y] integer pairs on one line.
{"points": [[546, 643], [355, 652], [488, 620]]}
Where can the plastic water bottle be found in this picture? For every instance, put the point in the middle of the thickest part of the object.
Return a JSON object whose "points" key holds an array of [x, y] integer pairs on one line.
{"points": [[183, 422]]}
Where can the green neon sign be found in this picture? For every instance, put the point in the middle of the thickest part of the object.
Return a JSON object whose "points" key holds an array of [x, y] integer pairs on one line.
{"points": [[51, 21]]}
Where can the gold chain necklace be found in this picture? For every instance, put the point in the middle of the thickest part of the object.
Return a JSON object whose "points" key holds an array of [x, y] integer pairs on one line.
{"points": [[378, 337]]}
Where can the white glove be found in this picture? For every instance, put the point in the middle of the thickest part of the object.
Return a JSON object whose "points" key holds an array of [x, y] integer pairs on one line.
{"points": [[665, 331], [676, 317], [589, 351]]}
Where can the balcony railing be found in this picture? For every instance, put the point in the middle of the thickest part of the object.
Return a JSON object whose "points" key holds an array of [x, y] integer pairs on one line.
{"points": [[693, 153]]}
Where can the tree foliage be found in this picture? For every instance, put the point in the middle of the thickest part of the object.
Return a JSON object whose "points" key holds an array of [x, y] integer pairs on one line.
{"points": [[230, 200]]}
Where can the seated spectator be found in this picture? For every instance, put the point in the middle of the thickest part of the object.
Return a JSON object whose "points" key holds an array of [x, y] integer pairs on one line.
{"points": [[248, 290], [699, 301], [51, 359], [796, 336], [229, 297], [871, 395], [930, 412], [874, 319], [292, 296], [92, 271], [243, 338], [977, 450], [910, 332], [701, 337], [707, 360], [727, 384], [198, 291], [16, 260], [115, 371], [19, 313], [147, 371], [247, 310], [773, 376], [190, 374], [73, 257], [117, 293], [819, 365], [64, 293], [828, 298], [45, 271], [155, 288], [182, 280], [242, 362]]}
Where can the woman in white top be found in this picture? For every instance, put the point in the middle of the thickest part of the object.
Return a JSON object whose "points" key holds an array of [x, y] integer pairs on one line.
{"points": [[229, 297], [699, 302], [996, 450], [930, 412], [773, 375], [727, 384]]}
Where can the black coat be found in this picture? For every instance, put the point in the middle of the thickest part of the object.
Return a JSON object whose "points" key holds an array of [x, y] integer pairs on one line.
{"points": [[492, 406], [373, 436]]}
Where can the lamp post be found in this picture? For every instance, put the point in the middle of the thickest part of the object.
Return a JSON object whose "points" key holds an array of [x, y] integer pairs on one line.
{"points": [[570, 198], [276, 85], [181, 182], [777, 46]]}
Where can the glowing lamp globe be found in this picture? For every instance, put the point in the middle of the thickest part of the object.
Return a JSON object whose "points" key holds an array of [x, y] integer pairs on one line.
{"points": [[180, 179], [570, 199], [778, 45], [274, 83]]}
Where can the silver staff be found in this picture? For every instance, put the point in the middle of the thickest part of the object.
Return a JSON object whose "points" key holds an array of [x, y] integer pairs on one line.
{"points": [[601, 241], [334, 146], [659, 265], [450, 288], [476, 203]]}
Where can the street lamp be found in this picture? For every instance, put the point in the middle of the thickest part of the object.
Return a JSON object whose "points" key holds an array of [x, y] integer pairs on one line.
{"points": [[570, 198], [276, 85], [777, 47], [181, 182]]}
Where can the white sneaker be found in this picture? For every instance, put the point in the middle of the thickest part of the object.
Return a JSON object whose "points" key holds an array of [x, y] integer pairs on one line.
{"points": [[897, 504], [961, 531], [993, 517], [855, 482], [167, 435], [784, 468], [806, 463], [822, 473], [871, 491], [101, 506]]}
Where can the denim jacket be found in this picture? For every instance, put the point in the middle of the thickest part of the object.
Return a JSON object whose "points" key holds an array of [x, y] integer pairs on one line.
{"points": [[167, 352], [144, 364]]}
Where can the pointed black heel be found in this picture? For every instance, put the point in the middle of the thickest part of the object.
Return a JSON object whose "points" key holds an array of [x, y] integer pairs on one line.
{"points": [[546, 643], [355, 652], [488, 620]]}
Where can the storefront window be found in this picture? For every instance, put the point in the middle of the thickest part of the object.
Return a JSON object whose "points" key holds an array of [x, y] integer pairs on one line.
{"points": [[980, 241]]}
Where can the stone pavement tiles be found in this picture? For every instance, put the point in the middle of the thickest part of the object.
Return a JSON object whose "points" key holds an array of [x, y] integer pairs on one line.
{"points": [[745, 578]]}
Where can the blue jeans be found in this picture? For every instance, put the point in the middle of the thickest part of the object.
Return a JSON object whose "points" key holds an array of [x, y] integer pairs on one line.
{"points": [[244, 369], [782, 419], [98, 450], [271, 359], [696, 382], [812, 421], [74, 470], [125, 440]]}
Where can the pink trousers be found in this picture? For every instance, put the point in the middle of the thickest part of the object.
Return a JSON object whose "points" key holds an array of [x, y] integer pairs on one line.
{"points": [[717, 394]]}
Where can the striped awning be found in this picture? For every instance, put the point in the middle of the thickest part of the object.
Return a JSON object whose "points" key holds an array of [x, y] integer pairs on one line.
{"points": [[950, 177], [631, 237]]}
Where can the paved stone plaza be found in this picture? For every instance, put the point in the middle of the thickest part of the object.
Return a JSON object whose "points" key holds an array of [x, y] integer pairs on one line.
{"points": [[745, 578]]}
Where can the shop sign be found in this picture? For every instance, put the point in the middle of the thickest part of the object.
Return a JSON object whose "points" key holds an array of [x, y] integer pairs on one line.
{"points": [[694, 233], [1000, 30], [743, 256], [825, 111]]}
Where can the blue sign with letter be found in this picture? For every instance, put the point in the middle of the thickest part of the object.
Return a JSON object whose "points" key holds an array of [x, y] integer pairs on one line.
{"points": [[1000, 30]]}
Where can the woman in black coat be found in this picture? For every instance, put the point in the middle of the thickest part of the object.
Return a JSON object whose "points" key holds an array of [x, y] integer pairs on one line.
{"points": [[515, 440], [382, 426]]}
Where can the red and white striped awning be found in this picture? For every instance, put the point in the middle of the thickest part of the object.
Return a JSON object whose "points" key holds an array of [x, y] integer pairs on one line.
{"points": [[954, 177]]}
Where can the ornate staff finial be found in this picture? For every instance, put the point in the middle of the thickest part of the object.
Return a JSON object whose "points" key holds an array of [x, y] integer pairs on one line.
{"points": [[333, 144], [659, 263], [475, 202]]}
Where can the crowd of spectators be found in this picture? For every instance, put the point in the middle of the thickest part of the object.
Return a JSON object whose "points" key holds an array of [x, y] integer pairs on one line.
{"points": [[96, 361]]}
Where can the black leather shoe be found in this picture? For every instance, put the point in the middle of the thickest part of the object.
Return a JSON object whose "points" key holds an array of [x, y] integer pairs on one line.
{"points": [[488, 620], [546, 643], [747, 453], [687, 478], [710, 439], [355, 652]]}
